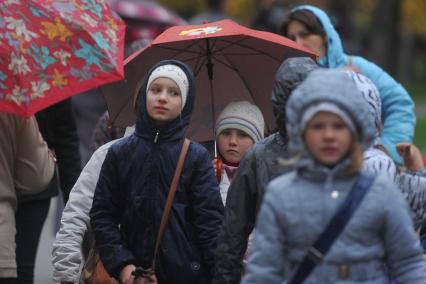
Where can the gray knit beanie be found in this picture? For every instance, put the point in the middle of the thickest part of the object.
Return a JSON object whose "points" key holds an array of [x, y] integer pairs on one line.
{"points": [[244, 116]]}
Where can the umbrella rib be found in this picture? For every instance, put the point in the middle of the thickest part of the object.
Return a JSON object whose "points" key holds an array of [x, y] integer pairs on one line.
{"points": [[199, 67], [229, 65], [247, 47]]}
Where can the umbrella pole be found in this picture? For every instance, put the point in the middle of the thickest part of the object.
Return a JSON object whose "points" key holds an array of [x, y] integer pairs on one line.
{"points": [[214, 129], [209, 66]]}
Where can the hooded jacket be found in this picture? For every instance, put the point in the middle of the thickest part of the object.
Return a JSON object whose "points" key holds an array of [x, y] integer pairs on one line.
{"points": [[258, 166], [397, 105], [298, 206], [132, 190]]}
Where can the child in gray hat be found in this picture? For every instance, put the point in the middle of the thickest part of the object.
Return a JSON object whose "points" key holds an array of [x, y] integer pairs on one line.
{"points": [[238, 127]]}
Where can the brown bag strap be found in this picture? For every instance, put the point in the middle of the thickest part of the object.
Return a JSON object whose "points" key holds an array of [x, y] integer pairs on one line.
{"points": [[170, 198]]}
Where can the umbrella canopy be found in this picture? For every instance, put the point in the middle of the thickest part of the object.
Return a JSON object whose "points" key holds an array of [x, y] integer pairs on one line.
{"points": [[50, 50], [230, 62]]}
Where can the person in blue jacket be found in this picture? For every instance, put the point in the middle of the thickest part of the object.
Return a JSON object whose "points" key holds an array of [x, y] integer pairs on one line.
{"points": [[312, 28], [329, 127], [135, 180]]}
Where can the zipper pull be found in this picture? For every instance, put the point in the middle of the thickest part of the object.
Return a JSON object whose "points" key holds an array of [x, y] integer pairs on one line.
{"points": [[156, 136]]}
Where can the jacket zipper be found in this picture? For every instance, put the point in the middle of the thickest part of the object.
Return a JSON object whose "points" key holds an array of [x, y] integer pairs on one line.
{"points": [[156, 136]]}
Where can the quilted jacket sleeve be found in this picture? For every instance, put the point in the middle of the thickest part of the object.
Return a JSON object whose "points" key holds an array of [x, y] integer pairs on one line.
{"points": [[66, 254], [404, 254], [207, 206], [105, 215]]}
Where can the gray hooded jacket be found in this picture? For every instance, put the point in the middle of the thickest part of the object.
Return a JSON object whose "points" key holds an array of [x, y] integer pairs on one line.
{"points": [[258, 167], [298, 206]]}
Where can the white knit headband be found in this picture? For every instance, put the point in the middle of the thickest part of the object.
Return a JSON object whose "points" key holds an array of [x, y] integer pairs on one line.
{"points": [[174, 73]]}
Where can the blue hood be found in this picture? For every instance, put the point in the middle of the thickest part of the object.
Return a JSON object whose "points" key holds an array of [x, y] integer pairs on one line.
{"points": [[335, 56]]}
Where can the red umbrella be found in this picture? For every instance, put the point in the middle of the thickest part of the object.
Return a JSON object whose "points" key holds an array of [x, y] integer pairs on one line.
{"points": [[50, 50], [230, 62]]}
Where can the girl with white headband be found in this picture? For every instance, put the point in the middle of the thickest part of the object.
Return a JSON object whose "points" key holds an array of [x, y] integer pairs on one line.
{"points": [[135, 181]]}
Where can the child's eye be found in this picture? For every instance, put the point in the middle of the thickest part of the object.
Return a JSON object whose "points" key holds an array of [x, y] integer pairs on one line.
{"points": [[304, 34], [339, 126], [155, 90], [226, 132], [242, 134], [174, 93], [316, 126]]}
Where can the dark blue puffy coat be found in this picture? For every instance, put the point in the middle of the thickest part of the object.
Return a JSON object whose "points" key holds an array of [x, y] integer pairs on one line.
{"points": [[132, 191]]}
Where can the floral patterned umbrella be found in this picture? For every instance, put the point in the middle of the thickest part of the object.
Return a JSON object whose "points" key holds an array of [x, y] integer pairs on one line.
{"points": [[53, 49]]}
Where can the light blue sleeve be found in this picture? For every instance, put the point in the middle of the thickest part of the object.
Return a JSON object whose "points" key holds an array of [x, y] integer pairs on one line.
{"points": [[266, 259], [404, 255], [397, 107]]}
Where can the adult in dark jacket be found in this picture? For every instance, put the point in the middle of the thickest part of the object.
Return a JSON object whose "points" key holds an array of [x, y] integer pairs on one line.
{"points": [[259, 166], [58, 128], [134, 183]]}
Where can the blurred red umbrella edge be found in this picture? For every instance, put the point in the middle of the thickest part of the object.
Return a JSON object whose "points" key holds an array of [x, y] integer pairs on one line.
{"points": [[230, 62], [52, 50]]}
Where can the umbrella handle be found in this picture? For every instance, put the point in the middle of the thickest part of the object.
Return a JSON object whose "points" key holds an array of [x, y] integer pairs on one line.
{"points": [[218, 168]]}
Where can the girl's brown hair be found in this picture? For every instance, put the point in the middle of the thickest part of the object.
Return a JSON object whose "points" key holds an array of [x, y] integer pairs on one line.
{"points": [[357, 157], [307, 18]]}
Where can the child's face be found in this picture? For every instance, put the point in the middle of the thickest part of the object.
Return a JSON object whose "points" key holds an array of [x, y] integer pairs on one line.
{"points": [[328, 138], [163, 100], [233, 143]]}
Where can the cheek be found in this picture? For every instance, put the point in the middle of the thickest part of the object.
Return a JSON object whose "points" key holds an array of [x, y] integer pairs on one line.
{"points": [[310, 138], [177, 104], [347, 141], [319, 45], [149, 103], [221, 143], [245, 144]]}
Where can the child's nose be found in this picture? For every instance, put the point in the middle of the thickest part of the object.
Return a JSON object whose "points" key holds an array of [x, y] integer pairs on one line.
{"points": [[163, 96], [328, 133], [233, 139]]}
